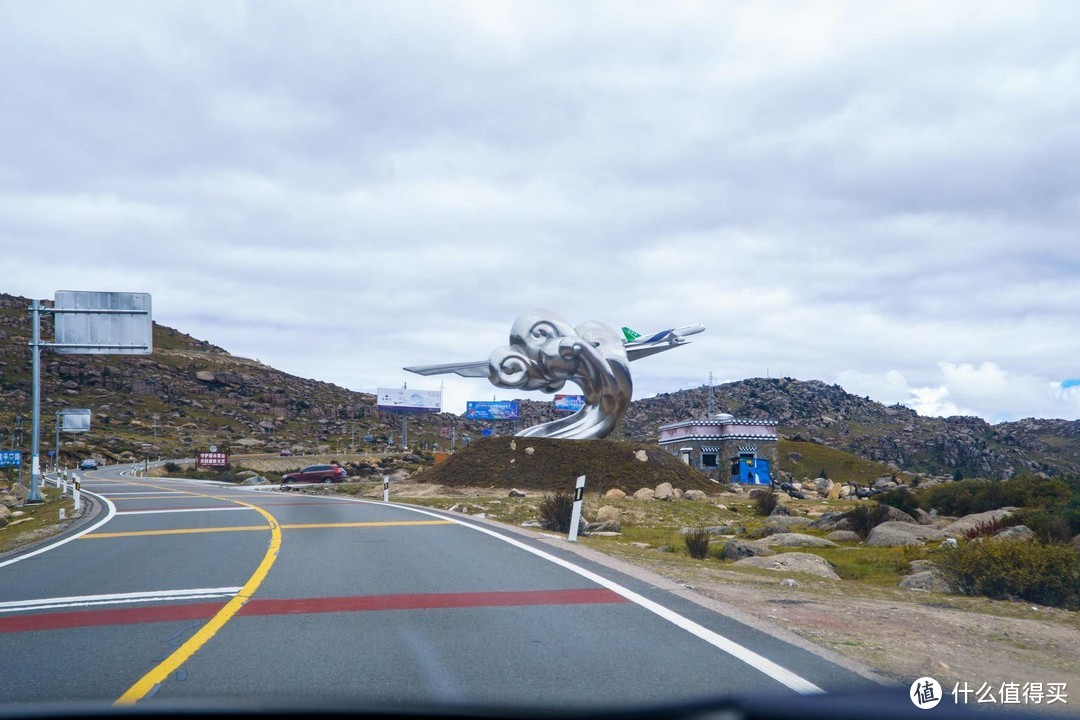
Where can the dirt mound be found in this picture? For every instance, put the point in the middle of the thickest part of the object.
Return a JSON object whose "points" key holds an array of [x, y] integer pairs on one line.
{"points": [[550, 465]]}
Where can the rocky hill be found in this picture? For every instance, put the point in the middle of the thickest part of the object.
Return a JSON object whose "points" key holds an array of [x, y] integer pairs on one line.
{"points": [[184, 397], [827, 415], [553, 465], [190, 394]]}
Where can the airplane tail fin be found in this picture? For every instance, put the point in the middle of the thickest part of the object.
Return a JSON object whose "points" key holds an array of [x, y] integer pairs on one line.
{"points": [[630, 335]]}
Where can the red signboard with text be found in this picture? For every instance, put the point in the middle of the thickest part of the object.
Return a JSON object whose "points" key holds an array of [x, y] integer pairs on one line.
{"points": [[212, 460]]}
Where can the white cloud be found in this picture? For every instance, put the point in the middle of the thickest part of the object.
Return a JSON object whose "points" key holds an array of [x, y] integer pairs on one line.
{"points": [[882, 196]]}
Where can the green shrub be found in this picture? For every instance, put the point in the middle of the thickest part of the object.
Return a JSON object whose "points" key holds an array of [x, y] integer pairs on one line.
{"points": [[974, 496], [556, 511], [766, 502], [865, 517], [1006, 569], [900, 498], [1049, 526], [171, 467], [697, 542]]}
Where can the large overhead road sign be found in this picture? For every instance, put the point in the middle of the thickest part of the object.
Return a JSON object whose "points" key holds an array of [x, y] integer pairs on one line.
{"points": [[102, 322], [86, 322]]}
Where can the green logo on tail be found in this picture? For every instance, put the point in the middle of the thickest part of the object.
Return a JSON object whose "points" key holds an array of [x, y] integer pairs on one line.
{"points": [[630, 335]]}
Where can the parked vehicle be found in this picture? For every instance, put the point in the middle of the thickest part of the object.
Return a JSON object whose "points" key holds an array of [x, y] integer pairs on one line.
{"points": [[317, 474]]}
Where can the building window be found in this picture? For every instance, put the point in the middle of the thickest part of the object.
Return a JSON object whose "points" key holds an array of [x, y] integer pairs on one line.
{"points": [[708, 460]]}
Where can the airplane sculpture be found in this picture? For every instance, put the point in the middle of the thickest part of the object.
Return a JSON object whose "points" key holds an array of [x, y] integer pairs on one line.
{"points": [[545, 352]]}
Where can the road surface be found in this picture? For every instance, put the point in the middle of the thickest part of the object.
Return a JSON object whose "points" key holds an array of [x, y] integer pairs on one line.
{"points": [[185, 589]]}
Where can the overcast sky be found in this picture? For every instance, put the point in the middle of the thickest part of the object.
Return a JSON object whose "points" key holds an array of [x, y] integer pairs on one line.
{"points": [[881, 195]]}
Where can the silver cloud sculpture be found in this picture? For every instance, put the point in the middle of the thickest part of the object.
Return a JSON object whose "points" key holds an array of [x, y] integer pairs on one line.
{"points": [[545, 352]]}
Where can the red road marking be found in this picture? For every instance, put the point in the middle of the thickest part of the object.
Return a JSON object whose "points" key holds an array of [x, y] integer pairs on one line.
{"points": [[297, 606], [112, 616], [428, 601]]}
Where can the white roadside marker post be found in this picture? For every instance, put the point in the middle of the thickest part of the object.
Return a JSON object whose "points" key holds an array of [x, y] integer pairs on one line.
{"points": [[575, 516], [75, 494], [385, 489]]}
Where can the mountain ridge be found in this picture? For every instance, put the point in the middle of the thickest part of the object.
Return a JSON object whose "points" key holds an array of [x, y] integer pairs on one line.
{"points": [[190, 394]]}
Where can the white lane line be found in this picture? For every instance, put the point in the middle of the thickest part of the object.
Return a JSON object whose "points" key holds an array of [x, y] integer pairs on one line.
{"points": [[116, 599], [111, 511], [140, 492], [179, 510], [776, 672]]}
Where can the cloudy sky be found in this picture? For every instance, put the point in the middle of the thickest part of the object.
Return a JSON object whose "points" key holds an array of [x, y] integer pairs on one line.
{"points": [[881, 195]]}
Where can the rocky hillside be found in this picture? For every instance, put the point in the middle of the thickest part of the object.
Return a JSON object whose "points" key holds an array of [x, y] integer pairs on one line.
{"points": [[190, 394], [184, 397], [827, 415]]}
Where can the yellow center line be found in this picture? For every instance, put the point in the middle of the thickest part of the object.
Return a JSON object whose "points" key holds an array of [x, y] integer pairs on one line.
{"points": [[244, 528], [166, 667]]}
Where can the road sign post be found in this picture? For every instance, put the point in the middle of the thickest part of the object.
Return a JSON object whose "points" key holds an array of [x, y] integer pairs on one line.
{"points": [[85, 323], [575, 516], [386, 489], [76, 495]]}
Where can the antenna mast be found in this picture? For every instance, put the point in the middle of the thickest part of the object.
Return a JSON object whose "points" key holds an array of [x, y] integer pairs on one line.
{"points": [[711, 404]]}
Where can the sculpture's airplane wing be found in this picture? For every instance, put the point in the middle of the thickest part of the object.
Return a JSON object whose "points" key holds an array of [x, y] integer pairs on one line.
{"points": [[639, 346], [478, 369]]}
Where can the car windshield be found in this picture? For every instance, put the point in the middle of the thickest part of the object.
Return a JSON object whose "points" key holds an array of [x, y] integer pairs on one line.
{"points": [[540, 357]]}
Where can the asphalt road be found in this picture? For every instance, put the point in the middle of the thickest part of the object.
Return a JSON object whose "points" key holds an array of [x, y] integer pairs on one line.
{"points": [[185, 590]]}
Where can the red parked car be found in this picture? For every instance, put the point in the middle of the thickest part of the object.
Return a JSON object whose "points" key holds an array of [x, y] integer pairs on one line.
{"points": [[317, 474]]}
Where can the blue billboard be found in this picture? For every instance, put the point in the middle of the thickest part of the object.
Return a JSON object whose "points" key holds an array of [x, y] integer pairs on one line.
{"points": [[492, 410], [569, 403]]}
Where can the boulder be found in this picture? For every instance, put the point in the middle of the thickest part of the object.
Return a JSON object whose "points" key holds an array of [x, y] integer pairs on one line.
{"points": [[790, 539], [883, 536], [757, 492], [926, 580], [1075, 542], [787, 522], [739, 549], [694, 495], [256, 480], [9, 500], [663, 491], [895, 515], [957, 528], [4, 512], [823, 486], [20, 491], [641, 455], [530, 450], [923, 518], [831, 520], [1018, 532], [245, 474], [643, 494], [843, 536], [205, 376], [715, 529], [793, 562], [604, 527], [921, 565], [780, 510], [678, 494], [608, 513], [515, 493], [614, 494]]}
